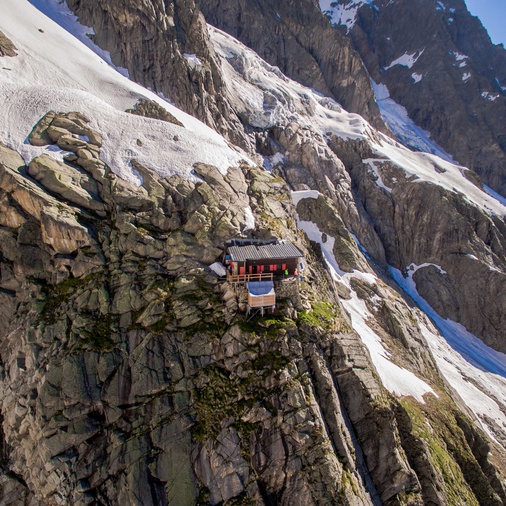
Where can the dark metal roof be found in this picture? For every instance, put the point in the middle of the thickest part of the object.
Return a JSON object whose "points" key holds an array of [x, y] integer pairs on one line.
{"points": [[248, 242], [264, 252]]}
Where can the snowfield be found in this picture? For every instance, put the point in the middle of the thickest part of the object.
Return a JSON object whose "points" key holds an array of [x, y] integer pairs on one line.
{"points": [[267, 98], [55, 71], [475, 371]]}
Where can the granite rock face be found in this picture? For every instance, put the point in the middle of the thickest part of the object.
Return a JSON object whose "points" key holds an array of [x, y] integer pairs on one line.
{"points": [[129, 375], [459, 246], [129, 371], [453, 83]]}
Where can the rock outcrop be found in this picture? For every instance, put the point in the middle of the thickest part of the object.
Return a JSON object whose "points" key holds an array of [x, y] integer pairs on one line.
{"points": [[7, 48]]}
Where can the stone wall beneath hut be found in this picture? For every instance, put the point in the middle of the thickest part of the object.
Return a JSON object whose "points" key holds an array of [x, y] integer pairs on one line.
{"points": [[287, 294]]}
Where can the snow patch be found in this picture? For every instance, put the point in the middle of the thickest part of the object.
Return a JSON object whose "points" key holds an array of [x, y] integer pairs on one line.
{"points": [[458, 56], [55, 71], [402, 125], [375, 171], [304, 194], [412, 268], [406, 60], [193, 59], [466, 76], [218, 269], [249, 219], [416, 77], [489, 96], [397, 380], [314, 234], [340, 14]]}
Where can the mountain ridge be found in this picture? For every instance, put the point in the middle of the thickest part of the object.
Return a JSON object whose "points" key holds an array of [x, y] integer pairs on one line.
{"points": [[457, 93], [130, 372]]}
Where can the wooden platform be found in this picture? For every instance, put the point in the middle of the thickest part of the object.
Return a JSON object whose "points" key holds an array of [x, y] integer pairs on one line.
{"points": [[261, 300]]}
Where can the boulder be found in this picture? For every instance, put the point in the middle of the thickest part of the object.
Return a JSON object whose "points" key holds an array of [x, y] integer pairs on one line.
{"points": [[67, 182], [40, 136]]}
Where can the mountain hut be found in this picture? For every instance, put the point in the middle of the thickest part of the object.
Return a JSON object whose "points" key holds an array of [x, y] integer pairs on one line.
{"points": [[259, 260]]}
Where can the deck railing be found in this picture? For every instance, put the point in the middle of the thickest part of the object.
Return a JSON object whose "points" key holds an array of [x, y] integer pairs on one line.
{"points": [[243, 278]]}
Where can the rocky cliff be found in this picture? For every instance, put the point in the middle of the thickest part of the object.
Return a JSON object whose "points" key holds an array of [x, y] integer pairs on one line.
{"points": [[446, 73], [130, 375], [158, 43], [129, 371]]}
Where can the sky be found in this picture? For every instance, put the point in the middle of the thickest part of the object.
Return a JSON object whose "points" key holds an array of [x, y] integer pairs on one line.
{"points": [[493, 16]]}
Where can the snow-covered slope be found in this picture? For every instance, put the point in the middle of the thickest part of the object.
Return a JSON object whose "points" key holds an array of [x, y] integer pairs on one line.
{"points": [[265, 97], [55, 71], [475, 371], [410, 134]]}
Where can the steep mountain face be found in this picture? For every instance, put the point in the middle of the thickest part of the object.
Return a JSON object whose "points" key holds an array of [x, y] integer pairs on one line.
{"points": [[294, 36], [280, 34], [157, 43], [446, 73], [125, 378], [129, 370], [388, 206]]}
